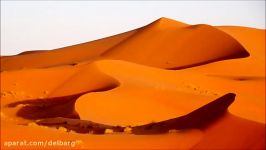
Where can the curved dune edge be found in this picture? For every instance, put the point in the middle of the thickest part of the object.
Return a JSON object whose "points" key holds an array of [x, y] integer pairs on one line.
{"points": [[165, 41], [63, 107], [199, 118], [251, 39], [144, 86], [53, 82], [35, 109], [34, 93]]}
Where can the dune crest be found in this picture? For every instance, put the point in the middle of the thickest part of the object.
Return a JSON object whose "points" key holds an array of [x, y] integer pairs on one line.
{"points": [[167, 46], [199, 118], [166, 23]]}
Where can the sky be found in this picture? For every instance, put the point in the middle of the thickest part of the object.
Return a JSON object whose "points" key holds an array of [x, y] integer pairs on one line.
{"points": [[45, 25]]}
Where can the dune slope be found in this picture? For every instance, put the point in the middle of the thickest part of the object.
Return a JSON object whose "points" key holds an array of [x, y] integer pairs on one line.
{"points": [[166, 42], [72, 54]]}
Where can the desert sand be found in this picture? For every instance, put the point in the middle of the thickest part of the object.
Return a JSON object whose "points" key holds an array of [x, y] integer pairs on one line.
{"points": [[166, 85]]}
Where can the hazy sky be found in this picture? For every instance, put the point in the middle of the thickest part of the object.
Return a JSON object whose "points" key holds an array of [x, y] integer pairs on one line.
{"points": [[31, 25]]}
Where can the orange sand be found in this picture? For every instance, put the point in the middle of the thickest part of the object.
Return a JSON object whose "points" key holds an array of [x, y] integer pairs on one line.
{"points": [[161, 71]]}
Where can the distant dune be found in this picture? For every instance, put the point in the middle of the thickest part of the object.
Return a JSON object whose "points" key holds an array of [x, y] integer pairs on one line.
{"points": [[166, 85]]}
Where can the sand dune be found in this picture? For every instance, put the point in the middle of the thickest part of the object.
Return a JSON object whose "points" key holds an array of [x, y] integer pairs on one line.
{"points": [[161, 86], [174, 44], [175, 39]]}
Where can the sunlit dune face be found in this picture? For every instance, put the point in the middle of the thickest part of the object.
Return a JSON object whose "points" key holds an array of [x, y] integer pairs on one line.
{"points": [[177, 47], [167, 85]]}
